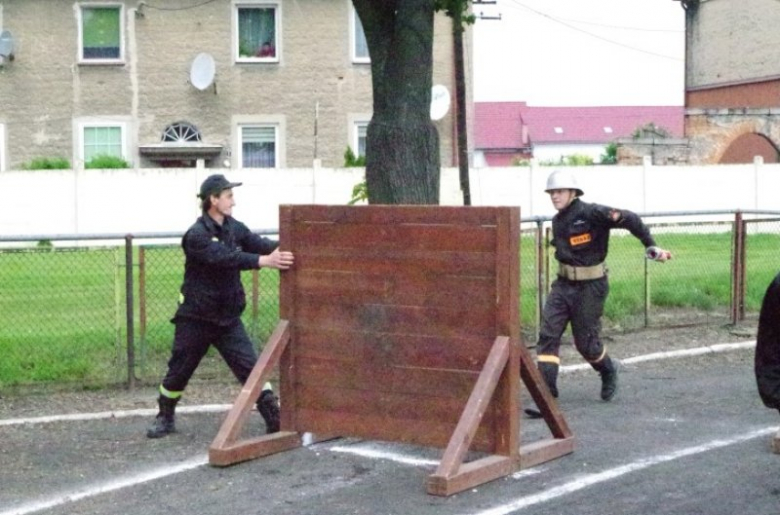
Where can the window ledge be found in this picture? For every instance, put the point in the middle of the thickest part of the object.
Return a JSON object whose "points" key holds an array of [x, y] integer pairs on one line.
{"points": [[101, 63]]}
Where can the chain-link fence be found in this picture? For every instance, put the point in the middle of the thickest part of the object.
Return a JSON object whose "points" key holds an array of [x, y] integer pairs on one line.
{"points": [[92, 311]]}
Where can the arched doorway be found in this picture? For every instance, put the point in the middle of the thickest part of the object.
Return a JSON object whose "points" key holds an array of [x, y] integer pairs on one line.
{"points": [[747, 146]]}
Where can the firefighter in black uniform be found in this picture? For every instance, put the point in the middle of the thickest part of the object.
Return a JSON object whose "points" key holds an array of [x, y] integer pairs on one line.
{"points": [[767, 359], [217, 248], [581, 238]]}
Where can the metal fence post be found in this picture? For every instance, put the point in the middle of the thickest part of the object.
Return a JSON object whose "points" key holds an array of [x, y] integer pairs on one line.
{"points": [[142, 302], [647, 294], [129, 310], [540, 282], [737, 307]]}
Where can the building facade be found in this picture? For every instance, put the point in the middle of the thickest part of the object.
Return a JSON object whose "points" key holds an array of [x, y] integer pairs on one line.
{"points": [[181, 83], [732, 81]]}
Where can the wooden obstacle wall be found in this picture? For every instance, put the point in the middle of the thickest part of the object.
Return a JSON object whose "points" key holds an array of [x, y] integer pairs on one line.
{"points": [[394, 312], [401, 323]]}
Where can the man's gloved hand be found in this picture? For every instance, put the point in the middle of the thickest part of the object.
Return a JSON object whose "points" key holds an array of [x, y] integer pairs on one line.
{"points": [[658, 254]]}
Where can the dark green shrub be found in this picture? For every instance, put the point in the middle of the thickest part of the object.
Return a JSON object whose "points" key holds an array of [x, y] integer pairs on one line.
{"points": [[47, 163], [105, 161], [351, 160]]}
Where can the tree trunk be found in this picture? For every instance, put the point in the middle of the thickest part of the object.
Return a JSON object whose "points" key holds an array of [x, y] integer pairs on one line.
{"points": [[402, 144]]}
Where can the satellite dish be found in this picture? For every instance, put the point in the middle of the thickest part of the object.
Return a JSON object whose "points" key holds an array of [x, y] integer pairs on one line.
{"points": [[440, 102], [6, 45], [202, 71]]}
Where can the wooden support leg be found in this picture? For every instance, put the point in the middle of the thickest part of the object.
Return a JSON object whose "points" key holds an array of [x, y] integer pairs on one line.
{"points": [[452, 475], [224, 449]]}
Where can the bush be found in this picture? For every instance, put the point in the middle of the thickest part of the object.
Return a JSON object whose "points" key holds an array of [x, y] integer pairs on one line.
{"points": [[105, 161], [570, 160], [610, 155], [351, 160], [47, 163]]}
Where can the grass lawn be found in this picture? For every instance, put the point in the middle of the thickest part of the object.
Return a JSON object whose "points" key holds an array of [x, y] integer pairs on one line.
{"points": [[63, 311]]}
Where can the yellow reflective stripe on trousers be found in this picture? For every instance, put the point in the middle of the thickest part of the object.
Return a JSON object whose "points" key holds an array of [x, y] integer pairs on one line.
{"points": [[603, 353], [167, 393], [548, 358]]}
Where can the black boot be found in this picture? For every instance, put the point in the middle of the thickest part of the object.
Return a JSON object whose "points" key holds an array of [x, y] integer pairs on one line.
{"points": [[268, 406], [164, 423], [549, 373], [609, 377]]}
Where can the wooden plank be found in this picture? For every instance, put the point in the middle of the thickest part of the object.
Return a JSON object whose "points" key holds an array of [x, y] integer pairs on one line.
{"points": [[382, 404], [458, 262], [250, 392], [384, 318], [471, 474], [391, 215], [387, 428], [546, 403], [452, 384], [477, 405], [507, 323], [545, 450], [431, 238], [253, 448], [287, 295], [406, 287], [287, 280], [405, 350]]}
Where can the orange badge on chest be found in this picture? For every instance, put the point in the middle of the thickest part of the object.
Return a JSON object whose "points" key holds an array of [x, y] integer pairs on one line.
{"points": [[580, 239]]}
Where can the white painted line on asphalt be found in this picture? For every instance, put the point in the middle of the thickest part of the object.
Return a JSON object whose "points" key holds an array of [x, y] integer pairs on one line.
{"points": [[682, 353], [109, 486], [614, 473], [77, 417], [372, 451], [528, 472]]}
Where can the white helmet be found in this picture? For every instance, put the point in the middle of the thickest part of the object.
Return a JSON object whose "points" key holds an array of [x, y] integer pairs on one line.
{"points": [[563, 180]]}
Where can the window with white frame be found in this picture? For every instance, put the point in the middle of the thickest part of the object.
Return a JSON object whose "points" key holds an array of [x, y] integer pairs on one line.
{"points": [[359, 43], [359, 145], [257, 32], [101, 29], [259, 146], [102, 139]]}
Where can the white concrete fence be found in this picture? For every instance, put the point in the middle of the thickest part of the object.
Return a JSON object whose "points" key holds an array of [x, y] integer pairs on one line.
{"points": [[83, 202]]}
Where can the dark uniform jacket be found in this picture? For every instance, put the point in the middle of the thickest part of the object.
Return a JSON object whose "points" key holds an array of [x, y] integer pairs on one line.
{"points": [[767, 360], [581, 232], [214, 258]]}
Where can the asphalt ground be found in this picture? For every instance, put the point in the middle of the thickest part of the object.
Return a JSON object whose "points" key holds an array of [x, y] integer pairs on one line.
{"points": [[687, 434]]}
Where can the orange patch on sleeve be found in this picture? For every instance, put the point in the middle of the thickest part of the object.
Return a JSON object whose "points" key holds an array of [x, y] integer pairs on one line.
{"points": [[580, 239]]}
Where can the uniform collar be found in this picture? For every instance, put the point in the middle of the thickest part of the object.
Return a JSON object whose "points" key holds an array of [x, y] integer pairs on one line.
{"points": [[213, 226]]}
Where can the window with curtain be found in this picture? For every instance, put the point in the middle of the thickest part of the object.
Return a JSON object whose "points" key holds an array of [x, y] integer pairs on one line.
{"points": [[101, 32], [257, 32], [360, 46], [258, 146], [102, 141]]}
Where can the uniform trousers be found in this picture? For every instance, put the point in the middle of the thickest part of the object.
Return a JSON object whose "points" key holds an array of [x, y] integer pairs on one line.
{"points": [[580, 303], [191, 341]]}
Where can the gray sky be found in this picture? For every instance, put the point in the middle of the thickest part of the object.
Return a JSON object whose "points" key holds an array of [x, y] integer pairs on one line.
{"points": [[580, 52]]}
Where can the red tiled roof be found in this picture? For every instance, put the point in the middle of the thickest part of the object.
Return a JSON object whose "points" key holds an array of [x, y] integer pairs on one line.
{"points": [[499, 124]]}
